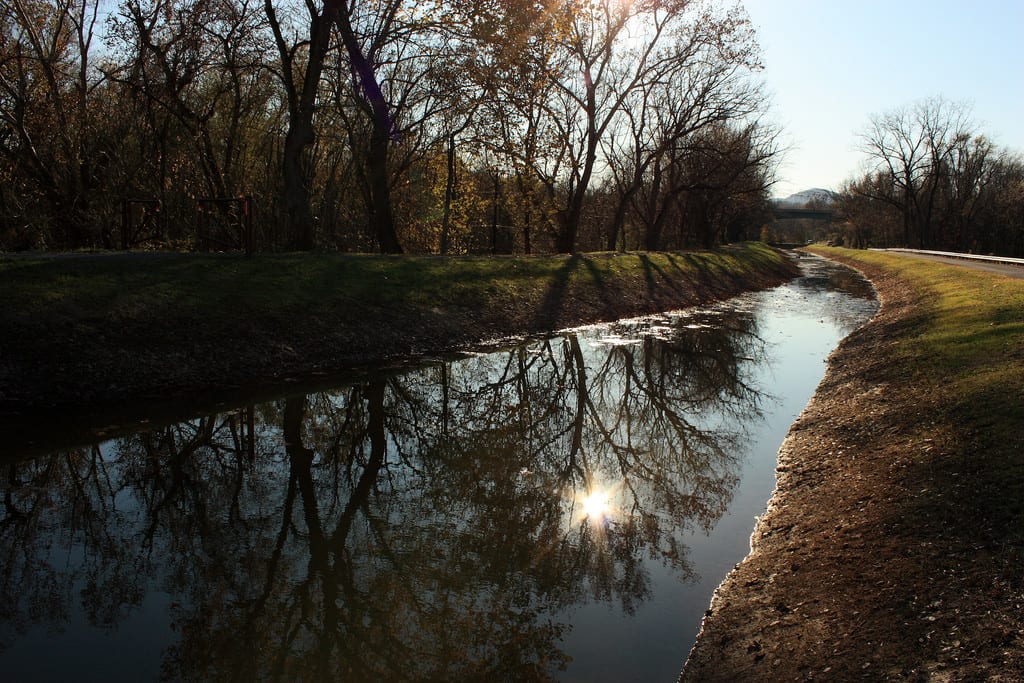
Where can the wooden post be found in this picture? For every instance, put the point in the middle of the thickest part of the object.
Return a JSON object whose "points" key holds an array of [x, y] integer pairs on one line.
{"points": [[494, 212], [125, 224], [247, 225]]}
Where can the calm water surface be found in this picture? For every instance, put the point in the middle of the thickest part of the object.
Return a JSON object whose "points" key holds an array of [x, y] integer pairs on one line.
{"points": [[559, 510]]}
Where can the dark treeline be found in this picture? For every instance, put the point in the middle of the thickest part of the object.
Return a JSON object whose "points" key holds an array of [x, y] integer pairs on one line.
{"points": [[935, 183], [448, 126]]}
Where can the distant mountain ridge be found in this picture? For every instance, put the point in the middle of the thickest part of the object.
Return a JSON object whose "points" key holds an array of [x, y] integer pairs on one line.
{"points": [[805, 197]]}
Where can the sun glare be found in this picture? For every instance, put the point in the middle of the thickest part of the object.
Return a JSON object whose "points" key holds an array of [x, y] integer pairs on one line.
{"points": [[596, 505]]}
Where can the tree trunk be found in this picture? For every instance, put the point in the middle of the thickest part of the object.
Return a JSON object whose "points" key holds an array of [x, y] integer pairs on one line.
{"points": [[527, 212], [527, 218], [301, 105], [295, 190], [494, 213], [372, 102], [566, 240], [449, 193], [617, 226], [652, 236], [380, 190]]}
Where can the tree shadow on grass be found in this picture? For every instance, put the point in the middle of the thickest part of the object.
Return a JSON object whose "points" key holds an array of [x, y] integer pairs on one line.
{"points": [[971, 494], [658, 280], [606, 299], [549, 315]]}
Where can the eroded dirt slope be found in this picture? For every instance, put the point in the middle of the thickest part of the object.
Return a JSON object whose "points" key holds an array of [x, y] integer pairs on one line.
{"points": [[850, 577]]}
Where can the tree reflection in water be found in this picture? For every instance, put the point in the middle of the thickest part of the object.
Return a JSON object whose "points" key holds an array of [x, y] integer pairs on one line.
{"points": [[427, 525]]}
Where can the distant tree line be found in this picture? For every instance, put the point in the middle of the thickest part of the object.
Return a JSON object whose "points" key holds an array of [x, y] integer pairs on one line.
{"points": [[437, 126], [935, 182]]}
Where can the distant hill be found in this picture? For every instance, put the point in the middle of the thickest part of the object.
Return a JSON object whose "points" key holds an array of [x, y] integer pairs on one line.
{"points": [[805, 197]]}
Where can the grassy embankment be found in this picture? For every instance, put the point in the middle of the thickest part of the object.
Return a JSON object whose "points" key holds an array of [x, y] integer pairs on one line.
{"points": [[88, 330], [961, 358], [966, 347]]}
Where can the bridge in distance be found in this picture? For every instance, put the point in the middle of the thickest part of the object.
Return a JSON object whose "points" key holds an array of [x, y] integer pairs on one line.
{"points": [[782, 214]]}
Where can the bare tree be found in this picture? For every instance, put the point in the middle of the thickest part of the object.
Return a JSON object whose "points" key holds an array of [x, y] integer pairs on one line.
{"points": [[300, 65], [934, 182], [908, 146], [52, 128], [669, 117], [608, 58], [199, 64], [400, 95]]}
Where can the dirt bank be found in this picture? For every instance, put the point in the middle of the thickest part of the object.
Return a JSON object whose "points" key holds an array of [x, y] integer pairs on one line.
{"points": [[851, 575]]}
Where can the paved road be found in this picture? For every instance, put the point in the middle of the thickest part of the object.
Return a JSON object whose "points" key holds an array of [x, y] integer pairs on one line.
{"points": [[1008, 269]]}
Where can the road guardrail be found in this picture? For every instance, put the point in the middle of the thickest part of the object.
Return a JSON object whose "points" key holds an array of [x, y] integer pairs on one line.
{"points": [[954, 254]]}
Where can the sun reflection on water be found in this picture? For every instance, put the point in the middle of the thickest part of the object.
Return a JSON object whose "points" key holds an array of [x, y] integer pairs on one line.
{"points": [[596, 504]]}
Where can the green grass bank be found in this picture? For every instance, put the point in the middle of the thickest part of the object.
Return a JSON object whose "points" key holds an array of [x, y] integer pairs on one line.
{"points": [[92, 330], [963, 352]]}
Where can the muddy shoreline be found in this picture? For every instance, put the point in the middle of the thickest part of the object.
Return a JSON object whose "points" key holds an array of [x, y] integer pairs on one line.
{"points": [[838, 584]]}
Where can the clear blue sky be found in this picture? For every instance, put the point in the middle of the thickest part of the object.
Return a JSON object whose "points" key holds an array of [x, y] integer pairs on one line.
{"points": [[830, 64]]}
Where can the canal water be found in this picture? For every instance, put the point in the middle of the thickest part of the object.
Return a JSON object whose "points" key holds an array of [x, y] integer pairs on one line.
{"points": [[559, 510]]}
